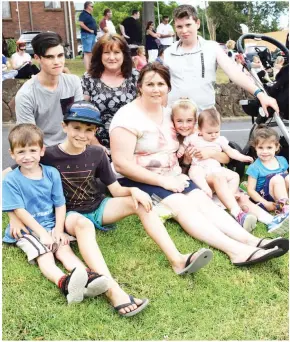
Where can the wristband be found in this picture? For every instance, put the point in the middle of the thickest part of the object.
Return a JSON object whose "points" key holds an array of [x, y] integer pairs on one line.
{"points": [[257, 92]]}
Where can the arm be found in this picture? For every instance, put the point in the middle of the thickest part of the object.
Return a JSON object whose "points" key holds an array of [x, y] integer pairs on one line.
{"points": [[123, 144], [138, 195], [59, 234], [30, 222], [270, 206], [240, 79], [16, 226], [103, 26], [153, 34], [206, 153], [83, 26], [122, 29], [235, 154], [6, 171], [24, 108]]}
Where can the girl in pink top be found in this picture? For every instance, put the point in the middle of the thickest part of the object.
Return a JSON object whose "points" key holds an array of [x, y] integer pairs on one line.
{"points": [[140, 60]]}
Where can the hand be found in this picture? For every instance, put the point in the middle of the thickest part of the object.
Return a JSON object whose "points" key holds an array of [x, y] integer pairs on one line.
{"points": [[126, 36], [247, 159], [158, 35], [46, 240], [17, 228], [180, 153], [270, 206], [60, 237], [188, 155], [202, 153], [175, 183], [267, 101], [142, 197]]}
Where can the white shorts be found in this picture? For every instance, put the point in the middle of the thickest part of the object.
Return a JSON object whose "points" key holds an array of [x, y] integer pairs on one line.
{"points": [[33, 248]]}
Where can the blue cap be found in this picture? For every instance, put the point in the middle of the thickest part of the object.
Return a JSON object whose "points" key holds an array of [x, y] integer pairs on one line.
{"points": [[83, 111]]}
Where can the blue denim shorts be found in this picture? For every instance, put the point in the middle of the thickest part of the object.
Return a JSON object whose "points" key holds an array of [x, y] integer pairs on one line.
{"points": [[265, 192], [153, 189], [96, 217], [88, 41]]}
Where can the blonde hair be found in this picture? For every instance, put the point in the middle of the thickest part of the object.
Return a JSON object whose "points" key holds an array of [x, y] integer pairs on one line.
{"points": [[230, 44], [211, 116], [280, 60], [140, 49], [184, 103]]}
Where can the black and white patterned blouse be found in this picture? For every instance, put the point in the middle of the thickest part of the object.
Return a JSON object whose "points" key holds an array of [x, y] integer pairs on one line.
{"points": [[109, 100]]}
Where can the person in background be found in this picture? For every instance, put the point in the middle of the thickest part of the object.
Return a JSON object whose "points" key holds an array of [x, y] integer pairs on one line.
{"points": [[106, 24], [260, 70], [110, 82], [7, 74], [21, 61], [230, 44], [140, 60], [131, 28], [151, 42], [166, 32], [160, 57], [88, 32]]}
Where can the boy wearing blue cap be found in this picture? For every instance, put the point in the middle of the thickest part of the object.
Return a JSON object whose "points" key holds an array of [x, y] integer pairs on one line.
{"points": [[45, 237], [80, 165]]}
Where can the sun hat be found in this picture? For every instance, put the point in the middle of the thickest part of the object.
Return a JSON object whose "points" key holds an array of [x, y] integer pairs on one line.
{"points": [[83, 111]]}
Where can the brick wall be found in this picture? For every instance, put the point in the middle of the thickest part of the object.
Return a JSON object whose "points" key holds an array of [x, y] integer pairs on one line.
{"points": [[42, 20]]}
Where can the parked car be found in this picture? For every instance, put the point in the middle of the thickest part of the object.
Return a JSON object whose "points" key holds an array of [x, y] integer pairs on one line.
{"points": [[27, 36]]}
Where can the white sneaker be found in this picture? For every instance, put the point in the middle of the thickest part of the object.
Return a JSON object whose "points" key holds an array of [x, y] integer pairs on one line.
{"points": [[279, 224]]}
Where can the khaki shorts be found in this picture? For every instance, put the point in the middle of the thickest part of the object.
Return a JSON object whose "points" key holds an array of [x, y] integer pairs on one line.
{"points": [[33, 248]]}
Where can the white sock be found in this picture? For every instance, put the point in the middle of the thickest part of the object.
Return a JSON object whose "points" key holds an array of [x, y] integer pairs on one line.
{"points": [[265, 217], [235, 211]]}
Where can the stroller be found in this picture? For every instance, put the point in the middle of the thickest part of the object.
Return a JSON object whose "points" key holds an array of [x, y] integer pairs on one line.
{"points": [[279, 90]]}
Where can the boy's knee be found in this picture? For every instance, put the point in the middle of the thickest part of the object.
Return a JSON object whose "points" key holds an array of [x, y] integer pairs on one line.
{"points": [[82, 223]]}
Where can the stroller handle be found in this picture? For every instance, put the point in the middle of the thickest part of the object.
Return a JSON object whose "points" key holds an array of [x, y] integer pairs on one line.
{"points": [[271, 40]]}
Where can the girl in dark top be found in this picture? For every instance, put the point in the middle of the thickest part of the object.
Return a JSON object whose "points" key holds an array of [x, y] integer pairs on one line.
{"points": [[110, 82], [151, 42]]}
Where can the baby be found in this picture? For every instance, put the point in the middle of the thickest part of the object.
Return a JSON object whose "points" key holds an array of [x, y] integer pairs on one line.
{"points": [[208, 173]]}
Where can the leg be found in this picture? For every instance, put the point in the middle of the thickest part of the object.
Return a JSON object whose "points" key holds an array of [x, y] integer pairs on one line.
{"points": [[120, 207], [198, 176], [87, 60], [287, 184], [67, 257], [84, 230], [277, 188], [48, 268]]}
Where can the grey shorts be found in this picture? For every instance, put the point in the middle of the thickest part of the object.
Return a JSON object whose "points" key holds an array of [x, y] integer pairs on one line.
{"points": [[33, 248]]}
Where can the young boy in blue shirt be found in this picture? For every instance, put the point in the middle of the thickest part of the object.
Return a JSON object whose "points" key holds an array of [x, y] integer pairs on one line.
{"points": [[34, 193]]}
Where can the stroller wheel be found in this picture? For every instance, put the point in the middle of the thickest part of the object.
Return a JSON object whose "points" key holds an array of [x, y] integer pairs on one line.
{"points": [[236, 165]]}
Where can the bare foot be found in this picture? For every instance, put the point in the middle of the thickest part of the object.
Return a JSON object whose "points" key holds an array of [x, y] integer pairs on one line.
{"points": [[117, 297], [243, 257]]}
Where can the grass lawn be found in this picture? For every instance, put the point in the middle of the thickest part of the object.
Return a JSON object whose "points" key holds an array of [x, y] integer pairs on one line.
{"points": [[220, 302]]}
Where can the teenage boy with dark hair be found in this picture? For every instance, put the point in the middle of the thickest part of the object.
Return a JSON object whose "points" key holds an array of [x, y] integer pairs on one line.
{"points": [[192, 63], [33, 192], [80, 164], [42, 99]]}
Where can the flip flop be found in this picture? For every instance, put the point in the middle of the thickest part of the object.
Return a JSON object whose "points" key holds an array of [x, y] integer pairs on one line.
{"points": [[279, 242], [274, 254], [140, 307], [204, 256]]}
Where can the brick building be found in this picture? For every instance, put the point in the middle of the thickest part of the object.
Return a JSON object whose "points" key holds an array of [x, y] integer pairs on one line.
{"points": [[57, 16]]}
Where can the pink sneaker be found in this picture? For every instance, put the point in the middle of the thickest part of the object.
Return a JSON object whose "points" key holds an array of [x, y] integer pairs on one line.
{"points": [[246, 220]]}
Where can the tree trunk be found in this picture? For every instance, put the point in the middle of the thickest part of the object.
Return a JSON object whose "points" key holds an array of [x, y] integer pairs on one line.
{"points": [[211, 27], [147, 15]]}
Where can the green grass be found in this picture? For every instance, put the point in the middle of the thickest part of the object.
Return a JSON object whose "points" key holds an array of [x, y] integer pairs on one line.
{"points": [[220, 302]]}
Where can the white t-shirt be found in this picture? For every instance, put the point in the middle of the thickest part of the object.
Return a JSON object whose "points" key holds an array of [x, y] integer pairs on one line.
{"points": [[165, 29], [17, 60], [110, 26]]}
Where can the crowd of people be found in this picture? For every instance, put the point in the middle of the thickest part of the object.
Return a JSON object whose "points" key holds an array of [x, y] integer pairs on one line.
{"points": [[69, 129]]}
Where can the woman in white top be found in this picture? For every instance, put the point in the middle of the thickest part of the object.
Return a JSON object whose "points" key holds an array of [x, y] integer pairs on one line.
{"points": [[143, 146], [21, 61]]}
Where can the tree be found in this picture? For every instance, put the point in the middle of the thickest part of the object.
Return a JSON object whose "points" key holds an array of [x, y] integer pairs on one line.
{"points": [[259, 16]]}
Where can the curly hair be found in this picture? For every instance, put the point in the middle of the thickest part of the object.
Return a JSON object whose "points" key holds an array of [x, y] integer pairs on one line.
{"points": [[110, 41], [262, 133]]}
